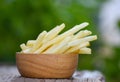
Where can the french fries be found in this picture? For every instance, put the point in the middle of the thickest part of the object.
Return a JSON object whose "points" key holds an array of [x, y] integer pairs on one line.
{"points": [[81, 34], [53, 33], [30, 43], [23, 46], [39, 40], [74, 40], [81, 40], [85, 51], [75, 48]]}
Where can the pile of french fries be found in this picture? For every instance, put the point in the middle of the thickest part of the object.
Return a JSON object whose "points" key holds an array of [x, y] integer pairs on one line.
{"points": [[74, 40]]}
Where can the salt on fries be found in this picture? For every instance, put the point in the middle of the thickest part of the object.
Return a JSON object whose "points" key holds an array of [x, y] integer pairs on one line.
{"points": [[74, 40]]}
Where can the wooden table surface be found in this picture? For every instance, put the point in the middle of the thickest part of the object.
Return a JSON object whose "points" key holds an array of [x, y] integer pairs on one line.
{"points": [[11, 74]]}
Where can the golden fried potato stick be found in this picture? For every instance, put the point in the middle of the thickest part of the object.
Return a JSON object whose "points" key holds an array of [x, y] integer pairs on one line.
{"points": [[53, 33], [23, 46], [62, 36], [30, 43], [78, 47], [82, 34], [27, 50], [80, 41], [85, 51], [75, 29]]}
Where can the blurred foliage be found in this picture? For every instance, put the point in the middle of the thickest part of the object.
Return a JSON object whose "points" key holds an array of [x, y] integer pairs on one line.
{"points": [[22, 20]]}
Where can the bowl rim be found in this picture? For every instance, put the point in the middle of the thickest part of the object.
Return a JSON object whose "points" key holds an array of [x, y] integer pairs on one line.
{"points": [[47, 54]]}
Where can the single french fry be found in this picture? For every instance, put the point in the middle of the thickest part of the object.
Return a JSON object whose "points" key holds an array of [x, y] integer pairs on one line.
{"points": [[85, 51], [23, 46], [53, 33], [27, 50], [75, 29], [82, 34], [74, 48], [38, 42], [30, 43], [79, 41]]}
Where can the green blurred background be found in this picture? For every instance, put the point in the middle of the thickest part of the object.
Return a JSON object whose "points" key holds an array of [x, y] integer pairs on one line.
{"points": [[22, 20]]}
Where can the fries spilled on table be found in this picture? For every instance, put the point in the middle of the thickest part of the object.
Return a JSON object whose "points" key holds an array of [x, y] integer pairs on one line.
{"points": [[75, 40]]}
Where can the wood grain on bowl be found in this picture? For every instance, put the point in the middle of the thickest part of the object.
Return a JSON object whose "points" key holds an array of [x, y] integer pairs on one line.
{"points": [[46, 65]]}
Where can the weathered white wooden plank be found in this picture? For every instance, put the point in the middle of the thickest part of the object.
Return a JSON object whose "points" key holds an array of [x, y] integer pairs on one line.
{"points": [[18, 79], [50, 80], [10, 74]]}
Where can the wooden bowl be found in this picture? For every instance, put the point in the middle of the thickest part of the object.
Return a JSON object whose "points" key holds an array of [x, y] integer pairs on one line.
{"points": [[46, 65]]}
